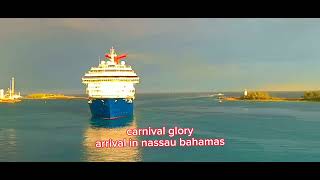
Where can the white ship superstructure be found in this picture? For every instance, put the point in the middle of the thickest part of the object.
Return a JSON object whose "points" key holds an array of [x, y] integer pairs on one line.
{"points": [[111, 79]]}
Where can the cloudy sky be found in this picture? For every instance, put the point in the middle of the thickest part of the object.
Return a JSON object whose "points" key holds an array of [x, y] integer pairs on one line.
{"points": [[170, 55]]}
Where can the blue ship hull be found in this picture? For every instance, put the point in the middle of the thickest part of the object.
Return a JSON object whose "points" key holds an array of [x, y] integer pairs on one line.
{"points": [[111, 108]]}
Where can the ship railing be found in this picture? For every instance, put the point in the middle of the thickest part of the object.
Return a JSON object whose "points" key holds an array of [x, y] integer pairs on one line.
{"points": [[110, 80]]}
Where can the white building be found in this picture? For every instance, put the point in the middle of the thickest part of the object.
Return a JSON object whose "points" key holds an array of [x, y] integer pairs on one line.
{"points": [[245, 93], [1, 93], [11, 93]]}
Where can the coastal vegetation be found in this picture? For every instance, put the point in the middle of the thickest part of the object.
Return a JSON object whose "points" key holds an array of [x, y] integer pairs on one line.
{"points": [[312, 95], [261, 96], [49, 96], [257, 95]]}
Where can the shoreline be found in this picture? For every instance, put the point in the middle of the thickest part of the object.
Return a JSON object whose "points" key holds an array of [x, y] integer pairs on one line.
{"points": [[11, 101], [267, 100], [45, 96], [53, 98]]}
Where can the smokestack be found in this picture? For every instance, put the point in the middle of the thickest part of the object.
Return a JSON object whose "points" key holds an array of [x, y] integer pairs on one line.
{"points": [[12, 86]]}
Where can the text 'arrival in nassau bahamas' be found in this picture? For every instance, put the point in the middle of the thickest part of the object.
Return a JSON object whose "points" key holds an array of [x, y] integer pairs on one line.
{"points": [[161, 132]]}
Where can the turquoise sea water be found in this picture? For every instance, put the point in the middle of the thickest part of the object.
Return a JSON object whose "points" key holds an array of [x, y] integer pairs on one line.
{"points": [[63, 130]]}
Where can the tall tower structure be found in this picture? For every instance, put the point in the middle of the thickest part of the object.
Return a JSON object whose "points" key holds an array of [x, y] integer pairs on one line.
{"points": [[12, 86]]}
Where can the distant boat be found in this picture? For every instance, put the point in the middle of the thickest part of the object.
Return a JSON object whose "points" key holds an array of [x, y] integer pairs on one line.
{"points": [[219, 94]]}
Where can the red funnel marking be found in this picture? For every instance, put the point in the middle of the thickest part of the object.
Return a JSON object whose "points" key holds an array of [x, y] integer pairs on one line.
{"points": [[117, 59]]}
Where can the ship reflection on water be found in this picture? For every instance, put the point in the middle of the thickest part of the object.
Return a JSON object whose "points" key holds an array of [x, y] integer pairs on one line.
{"points": [[102, 130]]}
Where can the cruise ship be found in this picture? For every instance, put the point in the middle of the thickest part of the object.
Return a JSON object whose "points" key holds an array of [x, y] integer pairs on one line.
{"points": [[110, 87]]}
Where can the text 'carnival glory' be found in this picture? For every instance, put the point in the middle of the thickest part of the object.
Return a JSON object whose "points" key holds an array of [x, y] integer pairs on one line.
{"points": [[110, 87]]}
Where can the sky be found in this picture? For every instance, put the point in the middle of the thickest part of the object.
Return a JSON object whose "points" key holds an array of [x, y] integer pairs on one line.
{"points": [[169, 55]]}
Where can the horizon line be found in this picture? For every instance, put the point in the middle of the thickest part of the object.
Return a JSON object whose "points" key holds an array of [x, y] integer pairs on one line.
{"points": [[172, 92]]}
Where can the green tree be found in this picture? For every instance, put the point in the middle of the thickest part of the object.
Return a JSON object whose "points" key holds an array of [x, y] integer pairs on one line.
{"points": [[312, 95], [257, 95]]}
